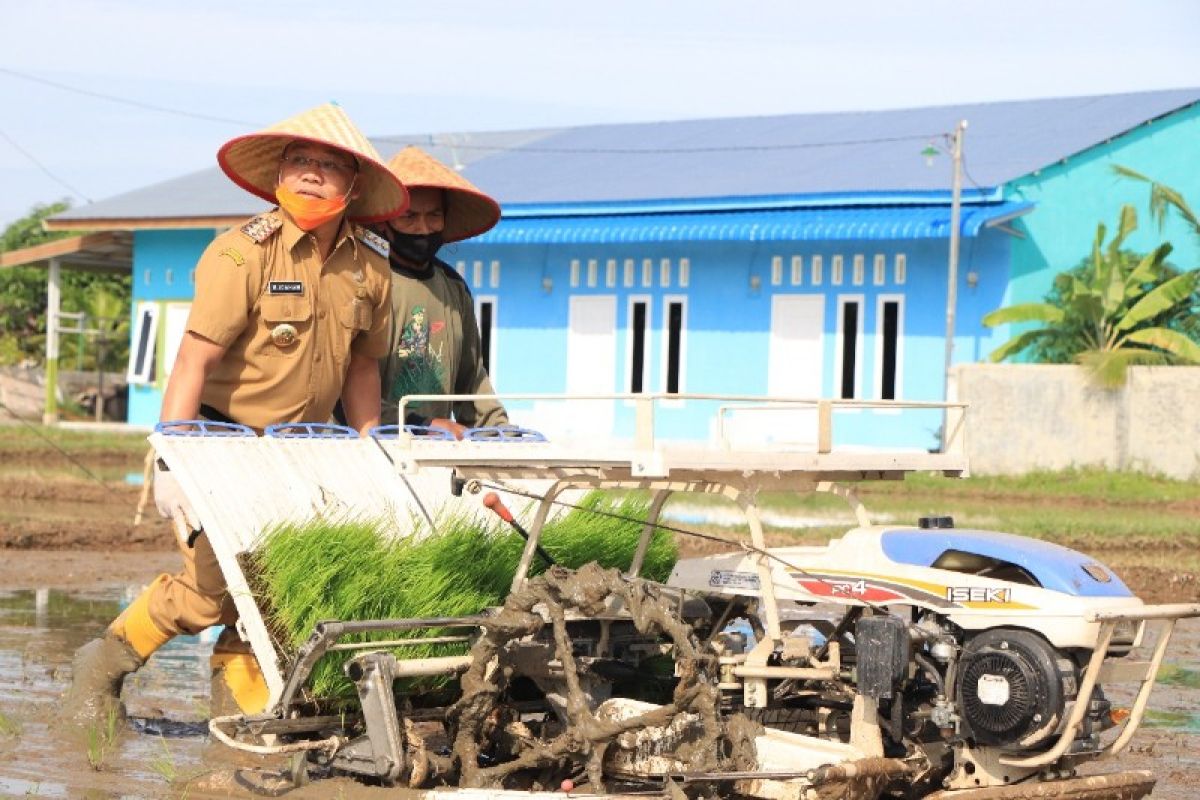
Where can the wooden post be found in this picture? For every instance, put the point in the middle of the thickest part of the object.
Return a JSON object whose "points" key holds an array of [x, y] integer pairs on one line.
{"points": [[53, 303]]}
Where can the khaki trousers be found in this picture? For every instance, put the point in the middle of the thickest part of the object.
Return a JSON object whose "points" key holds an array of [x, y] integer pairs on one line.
{"points": [[187, 602], [194, 598]]}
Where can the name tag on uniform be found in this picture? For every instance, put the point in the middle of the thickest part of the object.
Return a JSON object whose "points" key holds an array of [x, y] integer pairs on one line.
{"points": [[285, 287]]}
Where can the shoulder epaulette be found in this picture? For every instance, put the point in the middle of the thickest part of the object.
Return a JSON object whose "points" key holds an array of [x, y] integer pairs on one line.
{"points": [[373, 240], [262, 227]]}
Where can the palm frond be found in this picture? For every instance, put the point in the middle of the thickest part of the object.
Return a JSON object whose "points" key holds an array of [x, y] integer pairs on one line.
{"points": [[1019, 343], [1148, 270], [1126, 225], [1110, 368], [1162, 198], [1177, 344], [1024, 312], [1163, 297]]}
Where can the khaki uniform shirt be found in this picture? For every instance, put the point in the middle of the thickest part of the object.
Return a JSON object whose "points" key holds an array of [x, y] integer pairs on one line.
{"points": [[436, 350], [288, 320]]}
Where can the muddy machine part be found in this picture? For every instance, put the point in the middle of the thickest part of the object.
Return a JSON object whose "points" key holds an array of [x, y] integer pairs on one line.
{"points": [[896, 661]]}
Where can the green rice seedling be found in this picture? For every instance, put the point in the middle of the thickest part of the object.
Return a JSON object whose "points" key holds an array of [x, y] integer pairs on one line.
{"points": [[9, 726], [352, 570], [101, 736], [164, 764]]}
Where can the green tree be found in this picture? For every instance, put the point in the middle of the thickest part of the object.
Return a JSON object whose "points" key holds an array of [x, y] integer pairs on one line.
{"points": [[1162, 199], [1114, 310], [23, 300]]}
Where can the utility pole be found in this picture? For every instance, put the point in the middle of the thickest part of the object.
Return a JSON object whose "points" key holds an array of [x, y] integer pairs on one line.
{"points": [[952, 276]]}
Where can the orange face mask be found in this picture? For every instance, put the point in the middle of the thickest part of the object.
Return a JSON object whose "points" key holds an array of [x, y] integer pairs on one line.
{"points": [[309, 213]]}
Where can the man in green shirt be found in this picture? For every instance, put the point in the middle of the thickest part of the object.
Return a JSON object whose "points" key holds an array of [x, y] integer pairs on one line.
{"points": [[436, 346]]}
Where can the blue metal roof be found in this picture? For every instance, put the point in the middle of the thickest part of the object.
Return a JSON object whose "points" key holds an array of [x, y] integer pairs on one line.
{"points": [[739, 159], [803, 224]]}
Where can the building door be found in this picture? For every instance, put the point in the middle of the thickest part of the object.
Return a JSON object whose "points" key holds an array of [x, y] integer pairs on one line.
{"points": [[794, 369], [591, 363]]}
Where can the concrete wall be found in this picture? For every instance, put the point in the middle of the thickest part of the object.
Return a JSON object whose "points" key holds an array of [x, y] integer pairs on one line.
{"points": [[1034, 416]]}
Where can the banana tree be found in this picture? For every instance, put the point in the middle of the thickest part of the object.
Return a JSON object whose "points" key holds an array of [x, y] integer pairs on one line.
{"points": [[1113, 311], [1163, 198]]}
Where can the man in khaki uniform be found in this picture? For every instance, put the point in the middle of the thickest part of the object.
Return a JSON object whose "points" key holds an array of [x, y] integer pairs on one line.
{"points": [[435, 346], [291, 312]]}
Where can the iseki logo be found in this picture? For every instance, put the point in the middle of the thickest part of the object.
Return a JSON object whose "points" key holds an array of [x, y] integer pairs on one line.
{"points": [[977, 594]]}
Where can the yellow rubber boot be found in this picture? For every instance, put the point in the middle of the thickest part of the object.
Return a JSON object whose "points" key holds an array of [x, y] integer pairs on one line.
{"points": [[135, 626], [237, 685]]}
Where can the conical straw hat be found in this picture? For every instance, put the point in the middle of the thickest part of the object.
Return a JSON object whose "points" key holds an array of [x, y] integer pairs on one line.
{"points": [[469, 212], [252, 161]]}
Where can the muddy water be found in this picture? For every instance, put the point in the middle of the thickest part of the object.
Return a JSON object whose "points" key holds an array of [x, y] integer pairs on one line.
{"points": [[167, 700], [164, 751]]}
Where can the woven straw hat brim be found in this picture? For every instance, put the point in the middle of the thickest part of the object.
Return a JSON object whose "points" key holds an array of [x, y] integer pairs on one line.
{"points": [[252, 161], [469, 211]]}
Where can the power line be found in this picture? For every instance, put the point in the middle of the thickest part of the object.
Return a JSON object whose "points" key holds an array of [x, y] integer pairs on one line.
{"points": [[490, 147], [43, 167], [112, 98]]}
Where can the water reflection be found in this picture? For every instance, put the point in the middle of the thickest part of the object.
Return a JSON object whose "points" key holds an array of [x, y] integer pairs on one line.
{"points": [[167, 700]]}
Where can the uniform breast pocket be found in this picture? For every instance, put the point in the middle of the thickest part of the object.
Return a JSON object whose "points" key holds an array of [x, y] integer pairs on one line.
{"points": [[357, 316], [287, 322]]}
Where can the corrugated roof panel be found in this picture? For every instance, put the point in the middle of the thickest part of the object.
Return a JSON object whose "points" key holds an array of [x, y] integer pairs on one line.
{"points": [[754, 157], [804, 224]]}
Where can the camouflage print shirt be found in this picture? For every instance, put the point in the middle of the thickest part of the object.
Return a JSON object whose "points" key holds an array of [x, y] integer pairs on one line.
{"points": [[436, 350]]}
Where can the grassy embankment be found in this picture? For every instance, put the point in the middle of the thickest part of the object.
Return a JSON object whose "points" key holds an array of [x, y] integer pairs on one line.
{"points": [[1086, 508], [17, 440]]}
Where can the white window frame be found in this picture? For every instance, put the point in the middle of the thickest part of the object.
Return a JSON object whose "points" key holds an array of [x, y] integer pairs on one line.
{"points": [[665, 341], [685, 272], [878, 371], [776, 270], [837, 270], [146, 317], [171, 349], [879, 266], [900, 269], [630, 269], [647, 343], [610, 273], [817, 270], [495, 301], [797, 270], [842, 301]]}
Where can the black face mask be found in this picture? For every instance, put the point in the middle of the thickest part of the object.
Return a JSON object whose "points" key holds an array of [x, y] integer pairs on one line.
{"points": [[414, 249]]}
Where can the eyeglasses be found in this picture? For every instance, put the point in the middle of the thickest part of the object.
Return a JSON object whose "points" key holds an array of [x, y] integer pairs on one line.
{"points": [[323, 165]]}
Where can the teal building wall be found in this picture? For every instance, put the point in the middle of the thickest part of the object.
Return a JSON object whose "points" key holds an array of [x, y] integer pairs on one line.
{"points": [[1081, 191]]}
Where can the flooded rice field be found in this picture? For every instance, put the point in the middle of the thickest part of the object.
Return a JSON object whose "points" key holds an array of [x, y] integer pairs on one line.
{"points": [[164, 751]]}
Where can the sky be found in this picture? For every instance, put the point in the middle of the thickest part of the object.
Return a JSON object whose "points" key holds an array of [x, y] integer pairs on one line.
{"points": [[99, 97]]}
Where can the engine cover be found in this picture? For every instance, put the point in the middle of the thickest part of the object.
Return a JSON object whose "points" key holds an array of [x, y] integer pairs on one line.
{"points": [[1010, 688]]}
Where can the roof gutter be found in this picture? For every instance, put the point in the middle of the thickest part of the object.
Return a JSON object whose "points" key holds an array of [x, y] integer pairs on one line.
{"points": [[141, 223], [747, 203]]}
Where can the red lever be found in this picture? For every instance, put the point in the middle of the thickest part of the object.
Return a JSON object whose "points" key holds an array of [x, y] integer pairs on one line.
{"points": [[492, 500]]}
